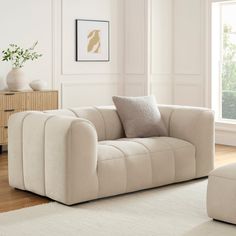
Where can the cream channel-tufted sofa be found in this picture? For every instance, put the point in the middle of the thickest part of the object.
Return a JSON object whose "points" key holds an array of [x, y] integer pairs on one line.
{"points": [[76, 155]]}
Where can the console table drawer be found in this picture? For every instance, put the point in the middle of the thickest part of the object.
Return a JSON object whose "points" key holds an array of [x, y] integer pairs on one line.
{"points": [[9, 101], [12, 102], [4, 115], [3, 134], [42, 101]]}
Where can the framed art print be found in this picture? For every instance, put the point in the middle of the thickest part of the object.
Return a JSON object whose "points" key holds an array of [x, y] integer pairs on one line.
{"points": [[92, 40]]}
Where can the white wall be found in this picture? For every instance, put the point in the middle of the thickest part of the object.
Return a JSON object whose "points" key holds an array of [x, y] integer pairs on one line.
{"points": [[181, 36], [52, 23], [22, 22], [157, 46], [166, 50], [161, 50], [136, 70], [178, 53], [156, 41], [90, 83], [189, 52]]}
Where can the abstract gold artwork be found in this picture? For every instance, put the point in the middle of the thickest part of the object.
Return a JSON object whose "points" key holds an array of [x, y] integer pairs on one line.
{"points": [[94, 42]]}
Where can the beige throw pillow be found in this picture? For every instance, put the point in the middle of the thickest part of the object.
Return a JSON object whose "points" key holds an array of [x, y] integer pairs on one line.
{"points": [[140, 116]]}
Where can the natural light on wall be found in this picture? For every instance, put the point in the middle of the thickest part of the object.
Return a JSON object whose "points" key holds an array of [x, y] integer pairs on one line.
{"points": [[224, 60]]}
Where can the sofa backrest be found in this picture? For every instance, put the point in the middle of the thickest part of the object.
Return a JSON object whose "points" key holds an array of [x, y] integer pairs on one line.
{"points": [[105, 119]]}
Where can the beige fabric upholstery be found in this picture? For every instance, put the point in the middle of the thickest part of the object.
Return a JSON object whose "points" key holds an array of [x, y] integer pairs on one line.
{"points": [[129, 165], [105, 120], [140, 116], [196, 126], [221, 194], [80, 154]]}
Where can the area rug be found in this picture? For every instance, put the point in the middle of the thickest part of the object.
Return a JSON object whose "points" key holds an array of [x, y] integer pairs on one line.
{"points": [[167, 211]]}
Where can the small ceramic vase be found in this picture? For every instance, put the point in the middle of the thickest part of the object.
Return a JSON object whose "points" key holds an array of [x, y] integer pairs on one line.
{"points": [[38, 85], [16, 80]]}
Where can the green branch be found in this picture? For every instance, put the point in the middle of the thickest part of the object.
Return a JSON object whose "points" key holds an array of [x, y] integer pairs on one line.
{"points": [[19, 56]]}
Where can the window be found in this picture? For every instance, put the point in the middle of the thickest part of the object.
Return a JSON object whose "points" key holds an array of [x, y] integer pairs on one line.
{"points": [[224, 60]]}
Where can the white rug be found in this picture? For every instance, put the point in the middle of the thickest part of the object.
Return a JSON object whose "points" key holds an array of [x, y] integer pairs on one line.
{"points": [[168, 211]]}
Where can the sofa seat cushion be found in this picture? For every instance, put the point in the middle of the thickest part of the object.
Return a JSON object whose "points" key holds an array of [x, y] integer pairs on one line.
{"points": [[127, 165]]}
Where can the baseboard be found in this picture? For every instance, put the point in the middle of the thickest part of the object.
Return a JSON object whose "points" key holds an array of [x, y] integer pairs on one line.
{"points": [[225, 137]]}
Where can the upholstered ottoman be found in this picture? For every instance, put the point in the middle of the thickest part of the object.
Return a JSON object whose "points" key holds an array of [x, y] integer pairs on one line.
{"points": [[221, 194]]}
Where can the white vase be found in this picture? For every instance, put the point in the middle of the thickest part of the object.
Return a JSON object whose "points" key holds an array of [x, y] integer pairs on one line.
{"points": [[16, 80], [3, 85], [38, 85]]}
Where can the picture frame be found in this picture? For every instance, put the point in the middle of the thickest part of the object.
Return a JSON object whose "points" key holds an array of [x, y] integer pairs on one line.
{"points": [[92, 40]]}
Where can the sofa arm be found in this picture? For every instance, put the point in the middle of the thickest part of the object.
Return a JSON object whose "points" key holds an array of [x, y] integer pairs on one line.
{"points": [[71, 153], [58, 155], [195, 125]]}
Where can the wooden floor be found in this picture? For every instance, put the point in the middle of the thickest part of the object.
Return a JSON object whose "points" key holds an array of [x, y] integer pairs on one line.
{"points": [[11, 199], [225, 155]]}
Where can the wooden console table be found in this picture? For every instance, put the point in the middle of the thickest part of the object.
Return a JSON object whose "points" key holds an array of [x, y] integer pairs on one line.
{"points": [[12, 102]]}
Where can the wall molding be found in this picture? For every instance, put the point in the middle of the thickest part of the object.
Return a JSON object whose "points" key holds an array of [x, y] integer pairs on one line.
{"points": [[177, 71], [187, 74], [136, 54], [225, 133], [225, 137], [135, 74], [135, 78], [188, 85], [53, 43], [161, 81], [154, 78], [142, 3], [225, 126], [62, 70], [144, 77], [208, 37], [161, 78], [67, 85], [161, 74], [91, 76], [61, 80], [135, 83]]}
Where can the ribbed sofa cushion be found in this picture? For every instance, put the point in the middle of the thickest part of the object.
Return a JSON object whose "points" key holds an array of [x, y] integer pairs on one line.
{"points": [[126, 165], [105, 120]]}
